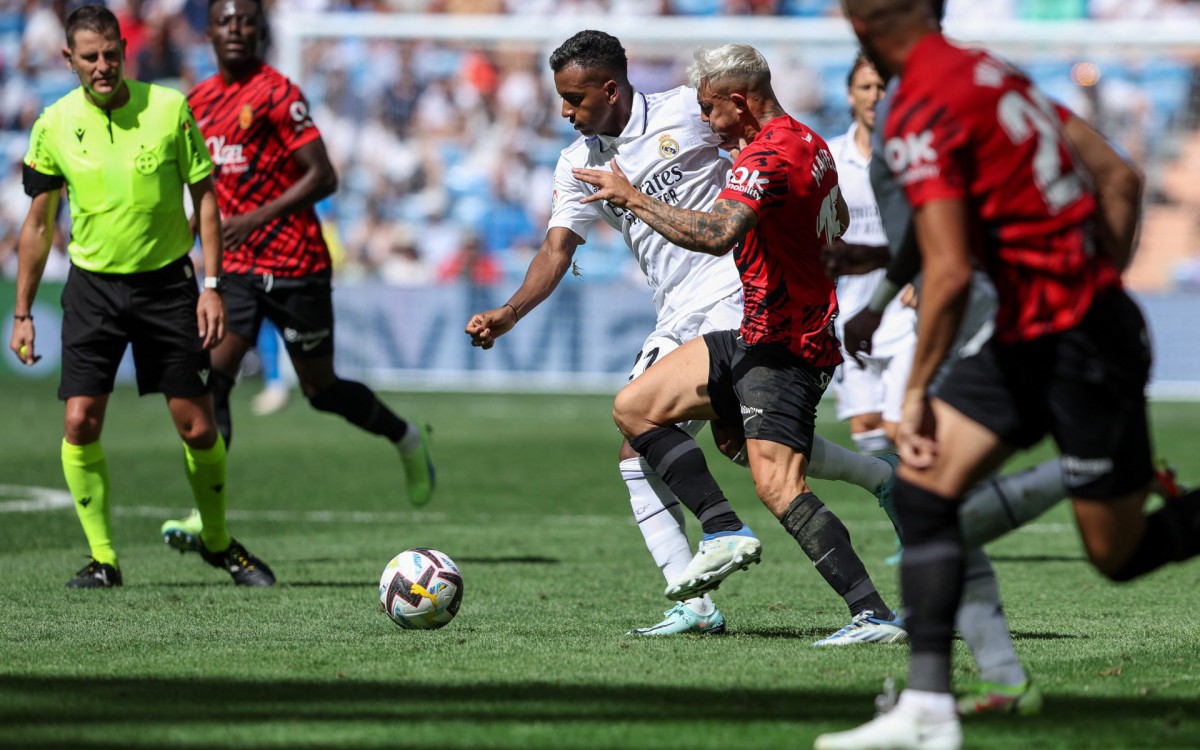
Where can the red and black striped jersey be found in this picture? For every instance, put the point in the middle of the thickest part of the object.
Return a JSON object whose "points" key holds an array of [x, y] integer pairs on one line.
{"points": [[787, 175], [252, 126], [966, 125]]}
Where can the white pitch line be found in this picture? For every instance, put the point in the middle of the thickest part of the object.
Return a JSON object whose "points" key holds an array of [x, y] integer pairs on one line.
{"points": [[41, 499]]}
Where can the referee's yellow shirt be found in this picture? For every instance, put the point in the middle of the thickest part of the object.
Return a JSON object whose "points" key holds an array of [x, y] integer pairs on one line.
{"points": [[125, 171]]}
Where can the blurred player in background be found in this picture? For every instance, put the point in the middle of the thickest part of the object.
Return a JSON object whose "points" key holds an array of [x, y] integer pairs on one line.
{"points": [[987, 164], [272, 168], [868, 387], [780, 206], [125, 150], [665, 143]]}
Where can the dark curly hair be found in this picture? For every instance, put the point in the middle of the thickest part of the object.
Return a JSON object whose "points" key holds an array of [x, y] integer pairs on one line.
{"points": [[591, 50]]}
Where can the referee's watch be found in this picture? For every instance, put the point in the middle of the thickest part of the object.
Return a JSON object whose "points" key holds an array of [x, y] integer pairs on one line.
{"points": [[216, 283]]}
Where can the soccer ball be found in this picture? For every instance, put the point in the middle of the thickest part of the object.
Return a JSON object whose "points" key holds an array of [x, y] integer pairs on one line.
{"points": [[421, 589]]}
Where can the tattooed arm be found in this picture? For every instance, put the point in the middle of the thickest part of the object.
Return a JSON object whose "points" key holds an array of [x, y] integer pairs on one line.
{"points": [[713, 232]]}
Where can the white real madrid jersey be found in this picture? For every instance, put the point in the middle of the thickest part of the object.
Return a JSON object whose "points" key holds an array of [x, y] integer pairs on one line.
{"points": [[668, 153], [898, 328]]}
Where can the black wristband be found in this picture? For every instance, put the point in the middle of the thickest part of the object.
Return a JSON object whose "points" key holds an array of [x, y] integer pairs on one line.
{"points": [[23, 317]]}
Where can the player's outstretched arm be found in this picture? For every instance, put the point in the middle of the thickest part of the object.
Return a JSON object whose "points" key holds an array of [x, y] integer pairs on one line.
{"points": [[712, 232], [33, 248], [1118, 187], [210, 310], [547, 268], [317, 181]]}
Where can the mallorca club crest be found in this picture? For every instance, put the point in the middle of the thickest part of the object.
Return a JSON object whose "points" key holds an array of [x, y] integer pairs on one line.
{"points": [[668, 147], [246, 117]]}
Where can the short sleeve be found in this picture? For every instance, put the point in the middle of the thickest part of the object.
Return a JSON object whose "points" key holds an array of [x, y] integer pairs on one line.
{"points": [[567, 211], [759, 178], [927, 154], [292, 121], [40, 157], [195, 163]]}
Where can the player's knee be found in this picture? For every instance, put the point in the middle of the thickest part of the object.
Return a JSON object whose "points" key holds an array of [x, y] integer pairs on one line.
{"points": [[925, 516], [82, 423], [628, 414]]}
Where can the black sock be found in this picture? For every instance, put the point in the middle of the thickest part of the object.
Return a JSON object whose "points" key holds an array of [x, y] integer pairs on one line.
{"points": [[361, 408], [826, 541], [1172, 535], [222, 384], [931, 578], [677, 458]]}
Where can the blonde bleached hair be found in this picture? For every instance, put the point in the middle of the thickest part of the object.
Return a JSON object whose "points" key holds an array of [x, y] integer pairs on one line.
{"points": [[734, 63]]}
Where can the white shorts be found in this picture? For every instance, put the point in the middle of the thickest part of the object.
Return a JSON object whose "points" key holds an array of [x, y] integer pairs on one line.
{"points": [[723, 315], [877, 388]]}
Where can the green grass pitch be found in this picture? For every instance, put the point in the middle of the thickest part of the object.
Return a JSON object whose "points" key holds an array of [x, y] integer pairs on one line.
{"points": [[531, 507]]}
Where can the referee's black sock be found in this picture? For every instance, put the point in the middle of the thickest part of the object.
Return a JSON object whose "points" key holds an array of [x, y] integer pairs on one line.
{"points": [[222, 384], [677, 458], [361, 408], [826, 541], [1172, 534]]}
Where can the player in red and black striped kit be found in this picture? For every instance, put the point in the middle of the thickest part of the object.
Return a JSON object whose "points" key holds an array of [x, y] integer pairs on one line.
{"points": [[779, 208], [271, 169], [984, 160]]}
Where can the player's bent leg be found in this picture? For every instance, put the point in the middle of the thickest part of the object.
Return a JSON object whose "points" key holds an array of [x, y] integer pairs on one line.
{"points": [[674, 390], [359, 406], [660, 518], [1124, 544]]}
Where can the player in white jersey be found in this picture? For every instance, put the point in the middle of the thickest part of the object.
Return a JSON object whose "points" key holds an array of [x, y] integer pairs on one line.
{"points": [[869, 388], [669, 153]]}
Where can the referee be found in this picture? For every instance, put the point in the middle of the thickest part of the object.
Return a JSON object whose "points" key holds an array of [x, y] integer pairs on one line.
{"points": [[124, 150]]}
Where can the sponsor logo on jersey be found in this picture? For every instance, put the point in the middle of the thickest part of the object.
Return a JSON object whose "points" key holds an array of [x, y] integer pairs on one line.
{"points": [[747, 182], [911, 157], [146, 163], [228, 156], [246, 117], [668, 147]]}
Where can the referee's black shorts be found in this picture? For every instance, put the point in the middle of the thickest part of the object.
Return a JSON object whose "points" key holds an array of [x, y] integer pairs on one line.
{"points": [[1084, 386], [302, 309], [771, 391], [155, 311]]}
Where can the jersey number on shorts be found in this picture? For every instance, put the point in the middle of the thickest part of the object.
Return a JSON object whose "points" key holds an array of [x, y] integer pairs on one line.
{"points": [[644, 359]]}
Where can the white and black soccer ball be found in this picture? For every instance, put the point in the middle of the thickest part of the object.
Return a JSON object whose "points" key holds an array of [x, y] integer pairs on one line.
{"points": [[421, 589]]}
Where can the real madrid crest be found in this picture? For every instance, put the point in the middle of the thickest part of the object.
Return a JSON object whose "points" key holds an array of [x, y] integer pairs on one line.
{"points": [[245, 117], [667, 146]]}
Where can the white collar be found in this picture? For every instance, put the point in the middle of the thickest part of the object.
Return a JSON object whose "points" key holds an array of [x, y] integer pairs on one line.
{"points": [[850, 150]]}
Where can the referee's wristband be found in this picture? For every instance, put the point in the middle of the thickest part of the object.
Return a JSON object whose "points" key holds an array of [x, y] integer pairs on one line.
{"points": [[23, 317], [884, 294]]}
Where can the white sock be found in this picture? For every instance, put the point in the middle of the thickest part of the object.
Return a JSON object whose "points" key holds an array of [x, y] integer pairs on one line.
{"points": [[702, 605], [980, 619], [873, 442], [659, 516], [411, 440], [927, 705], [833, 462], [997, 506]]}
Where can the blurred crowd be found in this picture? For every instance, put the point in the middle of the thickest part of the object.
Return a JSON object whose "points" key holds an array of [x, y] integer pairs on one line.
{"points": [[446, 151]]}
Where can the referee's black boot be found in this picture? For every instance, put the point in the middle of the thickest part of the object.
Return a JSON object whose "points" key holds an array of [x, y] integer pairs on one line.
{"points": [[246, 569], [95, 575]]}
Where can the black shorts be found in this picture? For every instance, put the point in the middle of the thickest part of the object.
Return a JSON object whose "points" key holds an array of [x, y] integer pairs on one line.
{"points": [[154, 311], [771, 391], [302, 309], [1084, 386]]}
